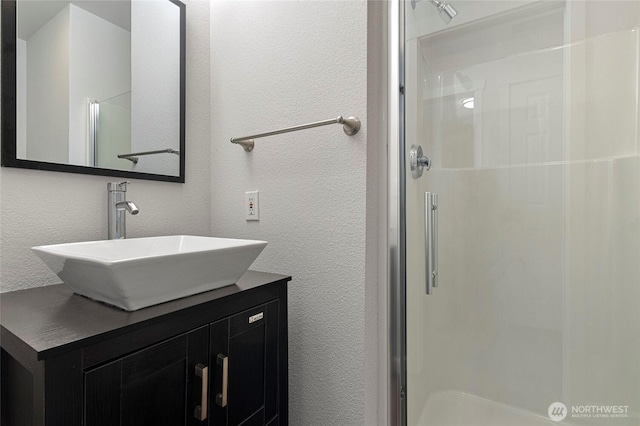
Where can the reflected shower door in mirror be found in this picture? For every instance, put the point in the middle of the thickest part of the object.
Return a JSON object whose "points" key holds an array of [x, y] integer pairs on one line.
{"points": [[96, 87]]}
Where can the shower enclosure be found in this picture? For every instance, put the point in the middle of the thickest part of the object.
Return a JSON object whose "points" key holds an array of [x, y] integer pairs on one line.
{"points": [[110, 131], [515, 239]]}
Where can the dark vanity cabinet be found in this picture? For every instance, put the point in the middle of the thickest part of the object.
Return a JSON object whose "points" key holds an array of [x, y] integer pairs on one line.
{"points": [[147, 387], [217, 358], [250, 340]]}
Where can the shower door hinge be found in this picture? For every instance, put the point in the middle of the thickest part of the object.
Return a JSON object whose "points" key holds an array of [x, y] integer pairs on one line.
{"points": [[402, 392], [402, 89]]}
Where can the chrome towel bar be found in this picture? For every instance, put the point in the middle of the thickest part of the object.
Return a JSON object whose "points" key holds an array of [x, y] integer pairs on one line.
{"points": [[350, 125], [134, 155]]}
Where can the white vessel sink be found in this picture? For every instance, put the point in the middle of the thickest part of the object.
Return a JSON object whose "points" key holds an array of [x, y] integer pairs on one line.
{"points": [[140, 272]]}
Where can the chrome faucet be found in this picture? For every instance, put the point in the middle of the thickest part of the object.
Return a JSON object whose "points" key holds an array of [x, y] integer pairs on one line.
{"points": [[118, 206]]}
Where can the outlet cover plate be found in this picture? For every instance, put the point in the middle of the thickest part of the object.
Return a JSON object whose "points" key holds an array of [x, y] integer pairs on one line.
{"points": [[252, 205]]}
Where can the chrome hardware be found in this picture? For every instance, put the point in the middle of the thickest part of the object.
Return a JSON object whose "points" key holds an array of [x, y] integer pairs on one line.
{"points": [[256, 317], [434, 207], [350, 125], [445, 10], [431, 240], [117, 206], [418, 161], [94, 120], [200, 412], [248, 144], [117, 186], [133, 157], [221, 398]]}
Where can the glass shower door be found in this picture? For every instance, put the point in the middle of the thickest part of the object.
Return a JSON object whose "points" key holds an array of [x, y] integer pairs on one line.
{"points": [[114, 133], [528, 113]]}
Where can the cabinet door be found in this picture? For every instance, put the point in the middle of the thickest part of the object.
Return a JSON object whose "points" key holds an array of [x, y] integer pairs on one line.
{"points": [[244, 364], [159, 385]]}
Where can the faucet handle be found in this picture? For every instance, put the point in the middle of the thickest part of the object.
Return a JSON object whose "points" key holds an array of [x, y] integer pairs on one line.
{"points": [[117, 186]]}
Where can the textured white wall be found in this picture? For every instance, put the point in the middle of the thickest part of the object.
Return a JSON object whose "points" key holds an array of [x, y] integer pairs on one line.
{"points": [[49, 207], [276, 64]]}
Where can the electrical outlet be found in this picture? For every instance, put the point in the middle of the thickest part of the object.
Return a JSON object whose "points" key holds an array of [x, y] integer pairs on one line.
{"points": [[251, 205]]}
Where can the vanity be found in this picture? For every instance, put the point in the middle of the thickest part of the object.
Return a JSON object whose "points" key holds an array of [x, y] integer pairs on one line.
{"points": [[214, 358]]}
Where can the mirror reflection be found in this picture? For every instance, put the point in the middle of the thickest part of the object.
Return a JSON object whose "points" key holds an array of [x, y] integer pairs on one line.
{"points": [[99, 84]]}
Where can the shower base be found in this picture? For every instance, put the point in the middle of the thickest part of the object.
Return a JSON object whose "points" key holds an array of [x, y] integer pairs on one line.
{"points": [[451, 408]]}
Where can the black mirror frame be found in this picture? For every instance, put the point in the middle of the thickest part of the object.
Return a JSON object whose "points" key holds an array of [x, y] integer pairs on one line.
{"points": [[8, 116]]}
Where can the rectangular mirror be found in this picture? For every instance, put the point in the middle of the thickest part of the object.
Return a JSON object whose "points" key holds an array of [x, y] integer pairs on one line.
{"points": [[94, 87]]}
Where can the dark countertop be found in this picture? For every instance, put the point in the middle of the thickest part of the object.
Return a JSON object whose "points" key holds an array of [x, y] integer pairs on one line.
{"points": [[40, 319]]}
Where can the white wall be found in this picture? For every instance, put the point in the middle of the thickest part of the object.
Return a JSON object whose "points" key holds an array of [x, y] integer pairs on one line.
{"points": [[48, 83], [276, 64], [49, 207], [154, 48]]}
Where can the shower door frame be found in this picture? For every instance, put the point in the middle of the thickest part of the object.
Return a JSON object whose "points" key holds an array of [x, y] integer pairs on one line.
{"points": [[396, 238]]}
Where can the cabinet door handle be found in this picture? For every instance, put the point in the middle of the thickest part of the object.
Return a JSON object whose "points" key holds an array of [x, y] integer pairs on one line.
{"points": [[200, 411], [221, 398]]}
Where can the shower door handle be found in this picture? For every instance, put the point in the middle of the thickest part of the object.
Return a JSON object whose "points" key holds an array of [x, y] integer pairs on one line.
{"points": [[431, 240]]}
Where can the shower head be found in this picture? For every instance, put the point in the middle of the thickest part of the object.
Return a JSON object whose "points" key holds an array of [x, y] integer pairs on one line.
{"points": [[446, 11]]}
